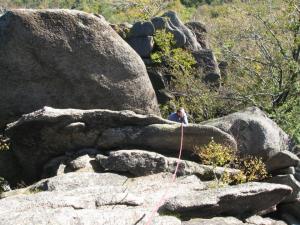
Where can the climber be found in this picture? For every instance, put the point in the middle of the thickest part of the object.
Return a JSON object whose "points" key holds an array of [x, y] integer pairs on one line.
{"points": [[179, 116]]}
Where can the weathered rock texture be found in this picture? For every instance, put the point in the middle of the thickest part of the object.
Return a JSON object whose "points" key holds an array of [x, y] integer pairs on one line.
{"points": [[9, 167], [141, 163], [91, 198], [68, 59], [248, 199], [254, 220], [282, 160], [39, 136], [254, 132]]}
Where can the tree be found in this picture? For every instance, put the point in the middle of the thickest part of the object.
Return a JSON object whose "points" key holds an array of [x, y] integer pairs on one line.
{"points": [[261, 43]]}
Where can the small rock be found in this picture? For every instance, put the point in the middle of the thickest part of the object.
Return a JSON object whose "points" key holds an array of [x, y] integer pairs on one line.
{"points": [[288, 180], [282, 160], [142, 29], [288, 170], [142, 45]]}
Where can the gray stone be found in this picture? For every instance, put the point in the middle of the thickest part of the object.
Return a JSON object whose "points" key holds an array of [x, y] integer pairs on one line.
{"points": [[288, 170], [215, 221], [241, 200], [10, 168], [106, 196], [157, 78], [290, 219], [254, 132], [142, 45], [4, 185], [142, 29], [136, 162], [258, 220], [297, 173], [207, 65], [70, 181], [164, 96], [160, 84], [282, 160], [200, 31], [292, 208], [296, 150], [163, 138], [82, 162], [160, 23], [164, 23], [110, 74], [175, 22], [288, 180], [73, 216], [141, 163], [55, 166], [39, 136]]}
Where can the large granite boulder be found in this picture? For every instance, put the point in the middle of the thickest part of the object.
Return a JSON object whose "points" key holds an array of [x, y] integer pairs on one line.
{"points": [[90, 198], [240, 201], [141, 163], [39, 136], [68, 59], [255, 133]]}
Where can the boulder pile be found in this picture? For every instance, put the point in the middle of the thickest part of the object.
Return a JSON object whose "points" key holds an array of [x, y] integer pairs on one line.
{"points": [[191, 36], [111, 160]]}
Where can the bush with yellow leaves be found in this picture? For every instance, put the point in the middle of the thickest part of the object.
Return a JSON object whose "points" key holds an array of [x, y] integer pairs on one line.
{"points": [[251, 168], [4, 146]]}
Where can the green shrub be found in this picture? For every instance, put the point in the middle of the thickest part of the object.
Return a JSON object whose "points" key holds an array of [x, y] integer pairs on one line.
{"points": [[251, 168]]}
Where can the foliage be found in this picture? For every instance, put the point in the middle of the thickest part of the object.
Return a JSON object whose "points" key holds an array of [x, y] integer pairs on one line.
{"points": [[261, 44], [201, 101], [4, 145], [115, 11], [215, 154], [251, 168], [178, 59]]}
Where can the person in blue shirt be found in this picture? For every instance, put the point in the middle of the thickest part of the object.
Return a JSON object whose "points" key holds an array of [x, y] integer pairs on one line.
{"points": [[179, 116]]}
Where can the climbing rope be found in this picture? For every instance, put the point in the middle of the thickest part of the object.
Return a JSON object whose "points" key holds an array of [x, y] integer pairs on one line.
{"points": [[163, 198]]}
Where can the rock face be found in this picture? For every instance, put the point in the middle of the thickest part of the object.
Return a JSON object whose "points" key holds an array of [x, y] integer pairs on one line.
{"points": [[249, 199], [254, 132], [91, 198], [68, 59], [39, 136], [176, 24], [200, 32], [9, 167], [254, 220], [141, 163], [282, 160]]}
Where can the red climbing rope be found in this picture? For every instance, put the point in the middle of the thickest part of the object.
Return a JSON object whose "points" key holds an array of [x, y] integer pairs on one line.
{"points": [[163, 198]]}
